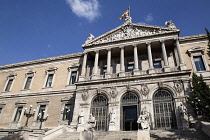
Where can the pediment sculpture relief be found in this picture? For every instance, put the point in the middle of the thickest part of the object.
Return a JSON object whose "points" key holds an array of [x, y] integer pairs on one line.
{"points": [[126, 32]]}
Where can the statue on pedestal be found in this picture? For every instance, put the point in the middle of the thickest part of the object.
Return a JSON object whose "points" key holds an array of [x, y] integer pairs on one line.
{"points": [[112, 116], [91, 124], [144, 120]]}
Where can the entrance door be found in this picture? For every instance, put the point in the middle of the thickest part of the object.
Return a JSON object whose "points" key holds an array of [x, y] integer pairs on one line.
{"points": [[129, 111], [99, 110], [164, 113], [130, 118]]}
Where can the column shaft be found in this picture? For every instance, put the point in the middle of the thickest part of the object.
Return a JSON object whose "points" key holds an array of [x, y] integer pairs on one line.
{"points": [[84, 64], [150, 55], [109, 61], [164, 53], [122, 63], [136, 65], [179, 51], [96, 63]]}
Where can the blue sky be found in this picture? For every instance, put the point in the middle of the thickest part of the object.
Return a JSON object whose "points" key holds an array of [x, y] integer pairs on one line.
{"points": [[36, 29]]}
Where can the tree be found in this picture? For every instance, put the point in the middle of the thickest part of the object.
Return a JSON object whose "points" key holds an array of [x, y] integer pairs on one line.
{"points": [[200, 98], [208, 35]]}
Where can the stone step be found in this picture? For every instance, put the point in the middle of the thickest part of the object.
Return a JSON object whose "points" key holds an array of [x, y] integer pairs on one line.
{"points": [[190, 134], [69, 136]]}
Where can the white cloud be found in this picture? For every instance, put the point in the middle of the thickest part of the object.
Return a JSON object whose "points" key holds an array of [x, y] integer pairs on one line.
{"points": [[149, 18], [88, 9]]}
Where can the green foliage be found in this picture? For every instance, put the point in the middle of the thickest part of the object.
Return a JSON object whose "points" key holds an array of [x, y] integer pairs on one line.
{"points": [[200, 98], [208, 35]]}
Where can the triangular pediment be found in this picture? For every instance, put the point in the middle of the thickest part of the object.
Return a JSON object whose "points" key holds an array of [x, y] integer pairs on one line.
{"points": [[128, 31]]}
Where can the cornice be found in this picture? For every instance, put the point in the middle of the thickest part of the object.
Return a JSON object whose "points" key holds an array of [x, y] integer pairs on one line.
{"points": [[193, 37], [50, 59]]}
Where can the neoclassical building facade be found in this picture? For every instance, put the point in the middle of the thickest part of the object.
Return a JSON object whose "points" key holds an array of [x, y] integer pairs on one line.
{"points": [[122, 74]]}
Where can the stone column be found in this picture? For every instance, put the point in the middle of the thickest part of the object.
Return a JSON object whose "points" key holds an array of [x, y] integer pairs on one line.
{"points": [[136, 62], [149, 51], [84, 63], [122, 63], [165, 59], [108, 74], [95, 68], [182, 65]]}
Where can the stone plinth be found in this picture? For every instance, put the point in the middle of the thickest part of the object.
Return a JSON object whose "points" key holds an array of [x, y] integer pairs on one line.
{"points": [[86, 135], [143, 135]]}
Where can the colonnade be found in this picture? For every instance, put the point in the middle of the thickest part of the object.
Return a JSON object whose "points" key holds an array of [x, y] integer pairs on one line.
{"points": [[136, 67]]}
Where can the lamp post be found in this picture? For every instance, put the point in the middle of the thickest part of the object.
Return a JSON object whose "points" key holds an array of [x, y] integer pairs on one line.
{"points": [[41, 118], [28, 114]]}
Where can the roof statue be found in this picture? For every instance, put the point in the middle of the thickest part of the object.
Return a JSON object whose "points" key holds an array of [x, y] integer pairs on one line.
{"points": [[128, 19], [91, 37], [170, 24]]}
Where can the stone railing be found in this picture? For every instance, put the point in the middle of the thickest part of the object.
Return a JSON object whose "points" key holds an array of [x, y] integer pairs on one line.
{"points": [[130, 74]]}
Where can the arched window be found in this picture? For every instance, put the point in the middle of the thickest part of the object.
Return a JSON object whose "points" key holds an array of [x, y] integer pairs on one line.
{"points": [[164, 114], [99, 110]]}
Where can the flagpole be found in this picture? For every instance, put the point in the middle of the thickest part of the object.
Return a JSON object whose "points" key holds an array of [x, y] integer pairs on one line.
{"points": [[129, 11]]}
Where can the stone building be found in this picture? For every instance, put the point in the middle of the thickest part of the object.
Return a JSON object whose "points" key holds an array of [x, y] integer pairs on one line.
{"points": [[129, 71]]}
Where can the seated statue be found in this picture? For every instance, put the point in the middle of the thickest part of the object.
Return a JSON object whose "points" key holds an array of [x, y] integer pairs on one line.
{"points": [[144, 120], [91, 123]]}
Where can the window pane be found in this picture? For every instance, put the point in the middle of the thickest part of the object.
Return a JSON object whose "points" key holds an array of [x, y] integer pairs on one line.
{"points": [[199, 63], [73, 77], [157, 64], [18, 114], [41, 111], [9, 85], [28, 82], [130, 67], [49, 80]]}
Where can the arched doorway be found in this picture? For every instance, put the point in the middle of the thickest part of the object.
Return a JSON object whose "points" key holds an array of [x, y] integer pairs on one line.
{"points": [[99, 110], [164, 113], [129, 111]]}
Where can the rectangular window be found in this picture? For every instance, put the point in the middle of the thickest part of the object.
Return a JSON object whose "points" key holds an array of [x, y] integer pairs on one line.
{"points": [[199, 63], [157, 64], [49, 80], [9, 84], [66, 112], [41, 111], [130, 67], [28, 82], [18, 114], [73, 77]]}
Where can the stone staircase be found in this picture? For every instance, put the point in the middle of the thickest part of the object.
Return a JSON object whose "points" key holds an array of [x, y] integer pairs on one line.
{"points": [[116, 135], [3, 134], [69, 136], [189, 134]]}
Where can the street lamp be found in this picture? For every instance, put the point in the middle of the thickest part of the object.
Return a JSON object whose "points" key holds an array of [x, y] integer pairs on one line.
{"points": [[41, 118], [28, 114]]}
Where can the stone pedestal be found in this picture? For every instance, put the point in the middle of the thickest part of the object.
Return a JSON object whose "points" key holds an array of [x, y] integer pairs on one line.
{"points": [[112, 127], [136, 72], [107, 75], [151, 71], [81, 78], [94, 77], [166, 69], [143, 135], [86, 135], [122, 74], [182, 67]]}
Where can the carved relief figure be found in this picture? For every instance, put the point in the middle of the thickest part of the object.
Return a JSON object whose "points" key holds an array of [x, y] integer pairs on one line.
{"points": [[144, 90], [89, 38], [170, 24]]}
